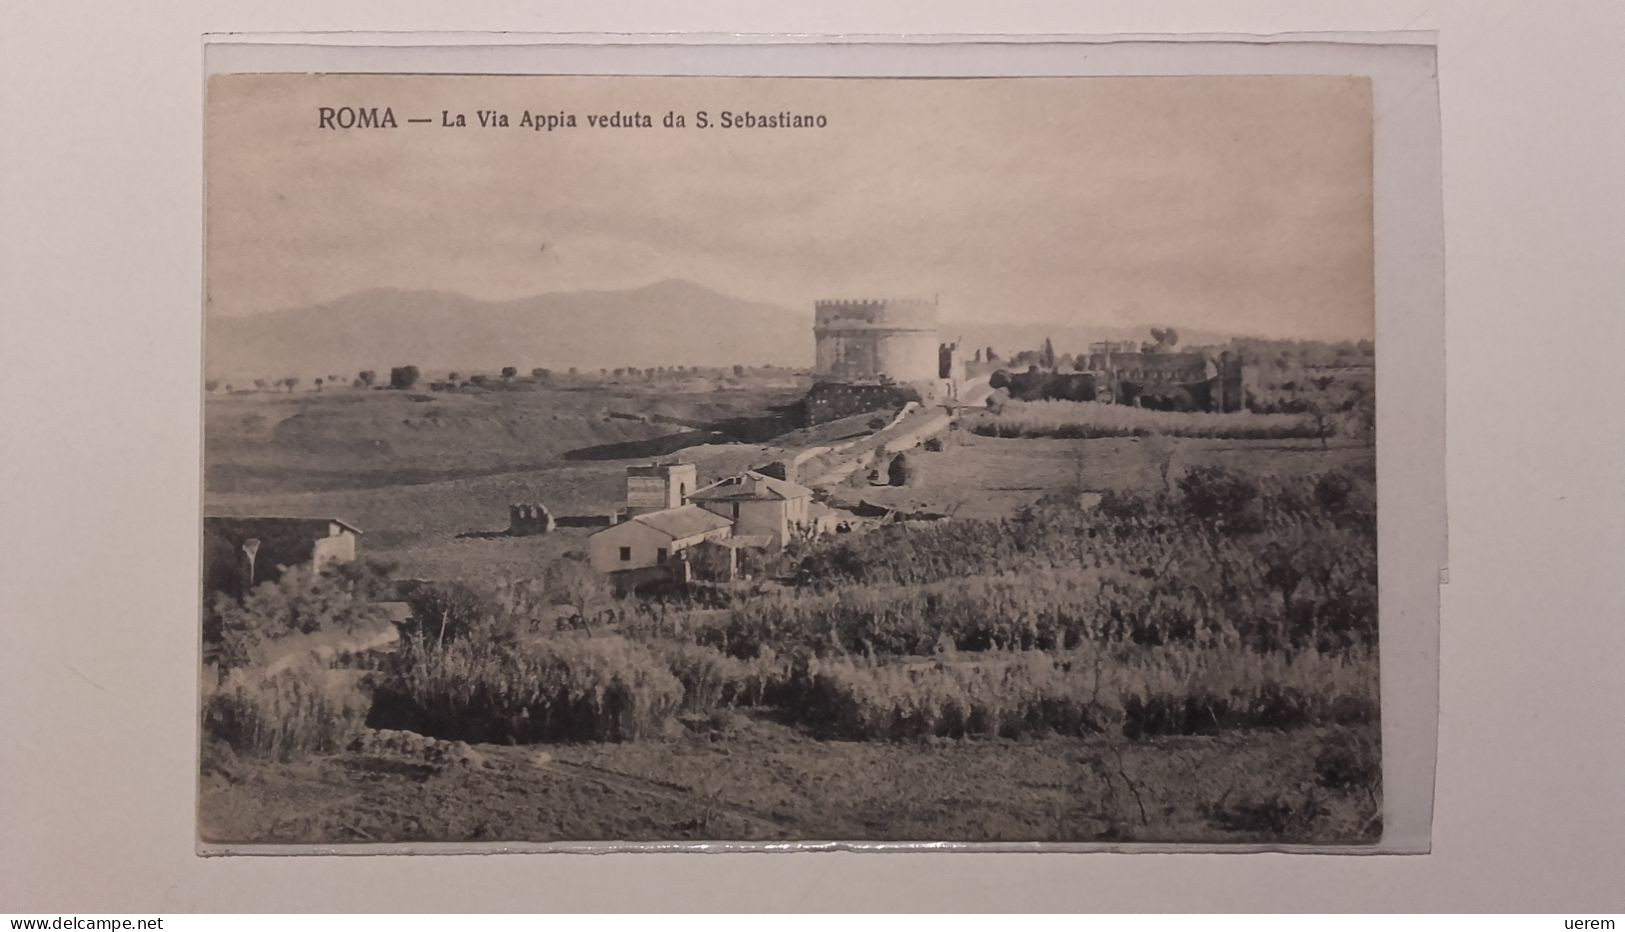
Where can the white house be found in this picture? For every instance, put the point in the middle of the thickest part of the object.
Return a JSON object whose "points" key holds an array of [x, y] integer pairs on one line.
{"points": [[652, 539], [759, 505]]}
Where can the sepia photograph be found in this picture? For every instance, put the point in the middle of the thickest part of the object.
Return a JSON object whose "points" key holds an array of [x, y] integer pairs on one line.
{"points": [[641, 459]]}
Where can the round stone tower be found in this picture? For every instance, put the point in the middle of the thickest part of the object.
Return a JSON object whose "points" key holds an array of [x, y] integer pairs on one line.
{"points": [[869, 339]]}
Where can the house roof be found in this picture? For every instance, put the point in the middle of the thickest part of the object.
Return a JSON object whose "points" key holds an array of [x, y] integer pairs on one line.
{"points": [[279, 521], [750, 486], [682, 523]]}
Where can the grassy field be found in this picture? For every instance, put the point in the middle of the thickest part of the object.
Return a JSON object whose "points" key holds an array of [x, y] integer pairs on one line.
{"points": [[346, 438], [429, 477], [977, 476]]}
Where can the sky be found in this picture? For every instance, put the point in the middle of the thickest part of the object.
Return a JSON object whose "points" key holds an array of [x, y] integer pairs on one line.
{"points": [[1232, 204]]}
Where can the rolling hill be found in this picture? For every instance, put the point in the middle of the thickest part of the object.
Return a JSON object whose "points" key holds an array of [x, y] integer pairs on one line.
{"points": [[669, 323], [664, 324]]}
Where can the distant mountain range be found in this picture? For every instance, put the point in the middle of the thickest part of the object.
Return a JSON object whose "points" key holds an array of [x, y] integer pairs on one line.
{"points": [[665, 324]]}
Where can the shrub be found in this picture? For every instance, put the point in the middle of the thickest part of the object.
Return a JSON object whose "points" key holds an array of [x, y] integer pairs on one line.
{"points": [[561, 688], [1215, 494], [1136, 692], [1333, 491], [300, 602], [401, 377], [298, 711], [713, 680]]}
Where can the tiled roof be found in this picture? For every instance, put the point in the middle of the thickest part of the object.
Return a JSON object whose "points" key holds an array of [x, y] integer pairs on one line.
{"points": [[750, 486], [684, 522], [316, 525]]}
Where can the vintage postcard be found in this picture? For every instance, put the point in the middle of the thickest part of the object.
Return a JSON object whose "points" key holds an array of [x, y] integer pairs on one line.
{"points": [[768, 459]]}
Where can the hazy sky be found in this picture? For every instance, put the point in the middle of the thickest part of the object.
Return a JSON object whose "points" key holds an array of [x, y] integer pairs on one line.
{"points": [[1238, 204]]}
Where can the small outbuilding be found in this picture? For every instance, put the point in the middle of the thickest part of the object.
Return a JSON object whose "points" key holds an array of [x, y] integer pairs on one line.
{"points": [[240, 552]]}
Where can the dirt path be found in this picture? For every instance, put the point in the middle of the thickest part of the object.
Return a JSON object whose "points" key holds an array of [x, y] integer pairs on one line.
{"points": [[908, 431]]}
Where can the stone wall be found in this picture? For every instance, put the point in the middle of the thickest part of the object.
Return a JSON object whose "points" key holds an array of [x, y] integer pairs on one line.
{"points": [[831, 401]]}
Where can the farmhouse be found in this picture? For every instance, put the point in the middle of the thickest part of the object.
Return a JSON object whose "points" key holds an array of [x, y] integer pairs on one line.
{"points": [[239, 552], [759, 505], [751, 511], [654, 538]]}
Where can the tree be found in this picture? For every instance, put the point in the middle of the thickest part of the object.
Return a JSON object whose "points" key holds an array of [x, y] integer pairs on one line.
{"points": [[366, 377], [479, 379], [575, 584], [739, 371], [319, 381], [211, 386], [290, 382], [299, 602], [1046, 356], [453, 377], [992, 356], [444, 612], [540, 374], [1322, 417], [1159, 452], [403, 377], [260, 384], [1167, 338], [508, 372]]}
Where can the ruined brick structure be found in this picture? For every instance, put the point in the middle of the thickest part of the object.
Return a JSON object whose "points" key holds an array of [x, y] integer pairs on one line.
{"points": [[528, 518], [1190, 381], [831, 401]]}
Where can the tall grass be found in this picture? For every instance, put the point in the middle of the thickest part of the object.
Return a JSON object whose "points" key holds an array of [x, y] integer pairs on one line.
{"points": [[713, 680], [1137, 692], [557, 689], [1089, 419], [298, 711]]}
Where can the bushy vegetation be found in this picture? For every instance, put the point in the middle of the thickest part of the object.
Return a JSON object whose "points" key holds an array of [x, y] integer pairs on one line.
{"points": [[713, 680], [1089, 419], [302, 710], [1136, 692], [238, 633], [562, 688], [1218, 602]]}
